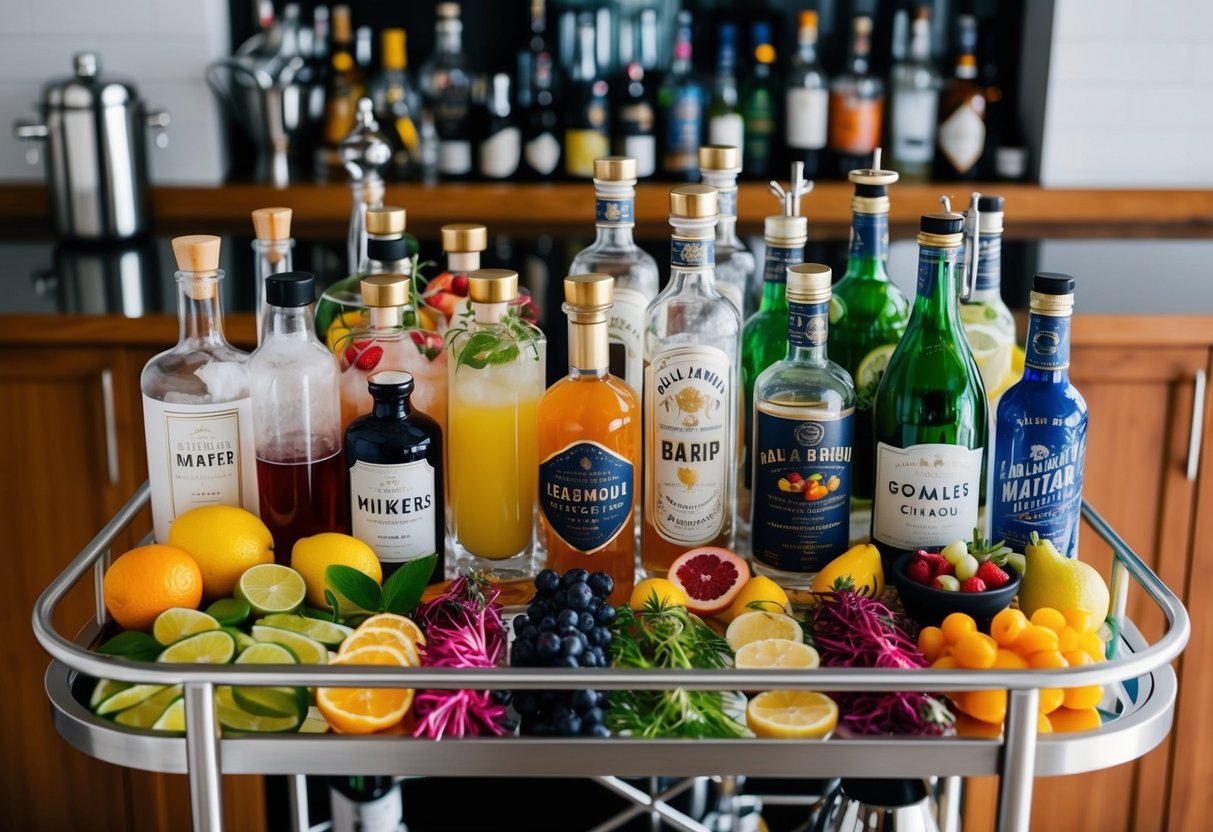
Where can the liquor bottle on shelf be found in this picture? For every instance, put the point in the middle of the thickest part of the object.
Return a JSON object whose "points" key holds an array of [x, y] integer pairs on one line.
{"points": [[691, 379], [725, 125], [366, 804], [344, 88], [501, 147], [587, 118], [636, 122], [930, 417], [720, 165], [806, 100], [447, 88], [870, 311], [856, 104], [758, 106], [680, 102], [803, 434], [988, 322], [363, 154], [296, 419], [913, 103], [363, 53], [496, 365], [397, 105], [316, 73], [1041, 431], [615, 253], [272, 246], [542, 151], [197, 414], [961, 140], [589, 448]]}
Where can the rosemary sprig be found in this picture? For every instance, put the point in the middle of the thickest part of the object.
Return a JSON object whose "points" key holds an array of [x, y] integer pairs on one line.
{"points": [[485, 347]]}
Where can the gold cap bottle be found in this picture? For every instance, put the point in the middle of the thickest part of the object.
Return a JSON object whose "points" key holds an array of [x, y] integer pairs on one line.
{"points": [[587, 299], [615, 168], [387, 221], [464, 237], [493, 285], [385, 290], [721, 157], [693, 202], [809, 283]]}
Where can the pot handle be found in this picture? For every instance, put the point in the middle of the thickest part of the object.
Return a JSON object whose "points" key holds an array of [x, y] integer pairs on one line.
{"points": [[157, 121], [31, 133]]}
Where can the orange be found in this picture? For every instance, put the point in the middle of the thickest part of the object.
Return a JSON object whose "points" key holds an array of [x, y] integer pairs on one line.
{"points": [[967, 726], [945, 663], [1033, 639], [1067, 639], [986, 705], [1079, 699], [366, 710], [1079, 619], [381, 637], [1050, 698], [1064, 719], [956, 625], [1008, 660], [1043, 726], [1078, 658], [931, 642], [148, 580], [1049, 617], [392, 621], [1091, 644], [1007, 626], [975, 651]]}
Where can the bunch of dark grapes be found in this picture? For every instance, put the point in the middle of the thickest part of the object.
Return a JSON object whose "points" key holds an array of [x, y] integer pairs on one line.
{"points": [[567, 625]]}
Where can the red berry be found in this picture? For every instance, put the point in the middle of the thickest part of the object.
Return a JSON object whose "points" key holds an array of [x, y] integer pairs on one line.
{"points": [[369, 359], [946, 568], [794, 477], [993, 576], [459, 285], [919, 571], [350, 355], [973, 584]]}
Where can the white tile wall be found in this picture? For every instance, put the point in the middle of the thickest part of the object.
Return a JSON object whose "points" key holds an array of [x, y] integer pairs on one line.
{"points": [[161, 46], [1129, 100]]}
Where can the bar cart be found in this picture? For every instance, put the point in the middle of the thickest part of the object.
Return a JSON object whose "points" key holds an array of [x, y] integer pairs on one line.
{"points": [[1137, 713]]}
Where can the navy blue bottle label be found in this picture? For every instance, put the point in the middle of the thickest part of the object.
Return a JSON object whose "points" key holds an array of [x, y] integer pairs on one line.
{"points": [[808, 324], [693, 254], [726, 202], [870, 235], [685, 122], [614, 212], [989, 262], [778, 258], [586, 493], [802, 488], [928, 267], [1048, 346]]}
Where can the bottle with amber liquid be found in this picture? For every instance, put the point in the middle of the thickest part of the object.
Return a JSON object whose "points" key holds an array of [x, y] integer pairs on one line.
{"points": [[961, 139], [856, 104], [589, 448]]}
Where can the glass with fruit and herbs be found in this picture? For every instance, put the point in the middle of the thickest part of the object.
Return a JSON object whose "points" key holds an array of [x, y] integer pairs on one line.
{"points": [[496, 367]]}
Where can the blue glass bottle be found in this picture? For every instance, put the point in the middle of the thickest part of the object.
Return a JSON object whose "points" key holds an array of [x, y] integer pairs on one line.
{"points": [[1041, 431]]}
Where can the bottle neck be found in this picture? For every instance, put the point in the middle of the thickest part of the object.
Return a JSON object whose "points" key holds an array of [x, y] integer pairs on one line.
{"points": [[584, 66], [725, 184], [392, 408], [289, 322], [489, 314], [808, 331], [450, 38], [462, 262], [198, 310], [386, 317], [989, 264], [869, 246], [1047, 348], [271, 257], [779, 256], [936, 301], [693, 251], [589, 353], [806, 49], [614, 217]]}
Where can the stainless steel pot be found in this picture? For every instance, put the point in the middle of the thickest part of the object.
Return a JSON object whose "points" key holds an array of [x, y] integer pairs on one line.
{"points": [[95, 154]]}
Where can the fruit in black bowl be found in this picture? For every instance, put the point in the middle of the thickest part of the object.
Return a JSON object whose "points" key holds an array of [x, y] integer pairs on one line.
{"points": [[930, 604]]}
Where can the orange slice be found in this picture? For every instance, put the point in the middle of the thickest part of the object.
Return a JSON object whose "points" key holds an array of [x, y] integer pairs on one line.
{"points": [[366, 710], [381, 637], [396, 622]]}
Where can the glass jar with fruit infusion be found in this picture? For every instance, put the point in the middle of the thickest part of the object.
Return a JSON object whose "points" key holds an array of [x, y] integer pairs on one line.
{"points": [[496, 365], [462, 243]]}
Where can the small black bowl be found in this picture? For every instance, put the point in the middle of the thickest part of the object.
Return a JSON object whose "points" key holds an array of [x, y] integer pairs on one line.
{"points": [[930, 606]]}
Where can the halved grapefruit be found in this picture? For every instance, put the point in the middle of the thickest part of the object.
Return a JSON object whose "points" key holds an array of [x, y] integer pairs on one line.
{"points": [[710, 577]]}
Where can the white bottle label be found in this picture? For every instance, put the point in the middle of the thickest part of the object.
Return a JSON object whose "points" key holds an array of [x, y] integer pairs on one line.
{"points": [[962, 138], [808, 112], [543, 153], [454, 157], [626, 328], [392, 509], [926, 495], [199, 455], [914, 125], [383, 815], [500, 153], [644, 150], [727, 129], [689, 401]]}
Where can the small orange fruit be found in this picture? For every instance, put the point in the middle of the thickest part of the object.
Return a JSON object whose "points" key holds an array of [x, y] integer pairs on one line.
{"points": [[975, 651], [1064, 719], [967, 726], [957, 625], [1033, 639], [986, 705], [1091, 644], [1050, 698], [148, 580], [1007, 626], [931, 642], [1082, 698], [1049, 617], [1079, 619]]}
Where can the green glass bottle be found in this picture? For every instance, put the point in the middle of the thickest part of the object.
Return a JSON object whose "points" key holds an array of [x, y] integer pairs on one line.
{"points": [[868, 313], [930, 412]]}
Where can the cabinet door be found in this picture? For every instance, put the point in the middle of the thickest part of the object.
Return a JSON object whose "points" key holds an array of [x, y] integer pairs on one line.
{"points": [[1140, 403]]}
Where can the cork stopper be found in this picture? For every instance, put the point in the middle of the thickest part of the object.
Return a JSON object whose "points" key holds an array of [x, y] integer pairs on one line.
{"points": [[385, 290], [615, 168], [197, 253], [493, 285], [693, 202], [385, 221], [464, 237], [589, 290], [722, 157], [272, 224]]}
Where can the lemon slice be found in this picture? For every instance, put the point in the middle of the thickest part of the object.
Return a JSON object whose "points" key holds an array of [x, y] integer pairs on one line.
{"points": [[791, 714], [271, 588], [777, 652], [325, 632], [758, 625], [149, 711], [232, 716], [400, 622], [315, 722], [173, 718], [175, 624], [126, 698], [104, 690], [306, 649], [381, 636], [212, 647], [869, 371]]}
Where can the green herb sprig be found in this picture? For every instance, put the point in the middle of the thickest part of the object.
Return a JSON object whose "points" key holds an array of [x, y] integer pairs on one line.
{"points": [[499, 346]]}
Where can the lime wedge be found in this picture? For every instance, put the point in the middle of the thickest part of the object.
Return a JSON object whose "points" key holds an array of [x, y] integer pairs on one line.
{"points": [[869, 371], [271, 587], [147, 712], [104, 690], [213, 647], [126, 698], [229, 612], [315, 722], [325, 632], [308, 650], [267, 652], [173, 718], [232, 716], [243, 640], [271, 701], [173, 625]]}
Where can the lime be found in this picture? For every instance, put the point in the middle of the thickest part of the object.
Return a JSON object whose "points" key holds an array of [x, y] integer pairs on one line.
{"points": [[232, 716], [173, 718], [147, 712], [229, 612], [104, 690], [308, 650], [315, 722], [126, 698], [267, 652], [271, 701], [976, 313], [173, 625], [838, 309], [325, 632], [243, 640], [271, 587], [869, 371], [213, 647]]}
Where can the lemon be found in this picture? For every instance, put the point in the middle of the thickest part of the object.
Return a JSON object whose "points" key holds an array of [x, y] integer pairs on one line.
{"points": [[307, 650], [860, 563], [669, 594], [1052, 580], [173, 718], [211, 647], [173, 625], [871, 368], [312, 555], [224, 541], [758, 625], [147, 712], [338, 336], [326, 632], [791, 714], [127, 697], [777, 652], [270, 588], [759, 593], [992, 352]]}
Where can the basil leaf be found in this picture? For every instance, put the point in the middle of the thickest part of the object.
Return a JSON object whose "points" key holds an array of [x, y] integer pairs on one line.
{"points": [[402, 592], [355, 587], [475, 352], [132, 645]]}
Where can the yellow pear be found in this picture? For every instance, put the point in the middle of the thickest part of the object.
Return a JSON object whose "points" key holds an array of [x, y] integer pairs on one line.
{"points": [[861, 564], [1053, 580]]}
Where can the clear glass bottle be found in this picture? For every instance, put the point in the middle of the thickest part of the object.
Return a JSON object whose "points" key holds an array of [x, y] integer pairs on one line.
{"points": [[692, 340], [989, 324], [930, 413], [758, 104], [913, 102], [363, 152], [197, 413], [446, 84], [725, 124], [806, 100], [736, 269], [635, 123], [296, 419], [587, 121], [803, 434], [272, 246], [681, 101], [614, 252], [856, 104], [496, 377], [1041, 431], [589, 448]]}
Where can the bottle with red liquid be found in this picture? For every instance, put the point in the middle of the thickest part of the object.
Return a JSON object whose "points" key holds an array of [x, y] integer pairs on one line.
{"points": [[296, 419]]}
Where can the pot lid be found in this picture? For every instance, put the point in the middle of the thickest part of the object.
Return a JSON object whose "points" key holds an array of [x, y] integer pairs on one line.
{"points": [[86, 90]]}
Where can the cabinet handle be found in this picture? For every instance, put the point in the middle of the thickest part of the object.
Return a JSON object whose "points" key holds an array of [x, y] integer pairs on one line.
{"points": [[1198, 424], [111, 426]]}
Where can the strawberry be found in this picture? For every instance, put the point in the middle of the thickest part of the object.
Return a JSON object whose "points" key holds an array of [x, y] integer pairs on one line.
{"points": [[946, 568], [992, 575], [937, 561], [973, 584], [369, 359], [919, 571]]}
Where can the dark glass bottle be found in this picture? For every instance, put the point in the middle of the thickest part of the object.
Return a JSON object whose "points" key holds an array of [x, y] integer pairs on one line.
{"points": [[758, 106], [366, 804], [394, 454], [681, 100], [542, 150], [587, 120], [635, 128], [856, 104], [961, 140]]}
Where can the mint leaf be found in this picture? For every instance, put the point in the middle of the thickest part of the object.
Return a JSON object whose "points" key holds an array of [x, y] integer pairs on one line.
{"points": [[132, 645], [355, 587], [402, 592]]}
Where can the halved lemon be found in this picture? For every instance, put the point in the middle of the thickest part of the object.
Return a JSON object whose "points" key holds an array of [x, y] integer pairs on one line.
{"points": [[366, 710], [791, 714], [777, 652], [758, 625]]}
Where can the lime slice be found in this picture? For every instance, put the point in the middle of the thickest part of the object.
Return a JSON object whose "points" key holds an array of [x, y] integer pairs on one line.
{"points": [[271, 587], [308, 650], [271, 701], [229, 612], [838, 309], [232, 716], [214, 647], [173, 718], [267, 652], [869, 371], [104, 690], [175, 624], [325, 632], [147, 712], [243, 640], [315, 722], [126, 698], [976, 313]]}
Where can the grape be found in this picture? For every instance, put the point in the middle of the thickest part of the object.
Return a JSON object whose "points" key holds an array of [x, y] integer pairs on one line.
{"points": [[966, 567], [571, 646], [547, 581], [565, 661], [599, 731], [521, 623], [954, 551], [582, 700], [569, 725], [585, 622], [568, 618], [547, 624], [593, 716], [526, 703], [600, 637], [605, 615]]}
